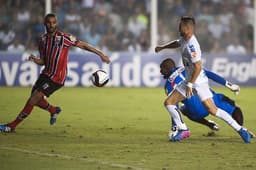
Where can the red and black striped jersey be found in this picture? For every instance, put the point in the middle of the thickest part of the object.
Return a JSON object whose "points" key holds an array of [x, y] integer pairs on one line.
{"points": [[54, 51]]}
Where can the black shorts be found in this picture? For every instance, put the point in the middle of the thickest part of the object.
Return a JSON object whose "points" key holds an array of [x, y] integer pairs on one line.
{"points": [[45, 85]]}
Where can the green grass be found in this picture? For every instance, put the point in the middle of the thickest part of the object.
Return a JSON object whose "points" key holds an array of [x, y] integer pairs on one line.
{"points": [[118, 128]]}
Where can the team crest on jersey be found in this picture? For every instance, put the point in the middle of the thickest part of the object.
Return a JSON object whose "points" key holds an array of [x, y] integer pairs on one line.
{"points": [[193, 50], [57, 40]]}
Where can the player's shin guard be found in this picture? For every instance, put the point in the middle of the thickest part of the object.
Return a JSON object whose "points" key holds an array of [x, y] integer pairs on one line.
{"points": [[227, 118], [176, 116], [23, 114]]}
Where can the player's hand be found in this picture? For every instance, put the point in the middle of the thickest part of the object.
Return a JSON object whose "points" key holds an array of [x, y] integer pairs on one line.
{"points": [[36, 60], [31, 57], [233, 87], [157, 49], [189, 92], [105, 59]]}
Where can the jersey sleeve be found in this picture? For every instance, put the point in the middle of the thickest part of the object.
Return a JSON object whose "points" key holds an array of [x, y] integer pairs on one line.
{"points": [[70, 40], [215, 77], [168, 88], [194, 51]]}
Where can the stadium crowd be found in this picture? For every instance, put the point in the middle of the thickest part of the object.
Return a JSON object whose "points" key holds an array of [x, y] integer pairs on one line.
{"points": [[124, 25]]}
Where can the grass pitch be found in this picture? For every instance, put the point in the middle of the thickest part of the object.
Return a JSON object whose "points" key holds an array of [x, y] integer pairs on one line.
{"points": [[118, 128]]}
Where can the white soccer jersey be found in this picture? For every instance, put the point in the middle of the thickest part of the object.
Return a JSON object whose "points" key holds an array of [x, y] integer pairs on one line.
{"points": [[191, 53]]}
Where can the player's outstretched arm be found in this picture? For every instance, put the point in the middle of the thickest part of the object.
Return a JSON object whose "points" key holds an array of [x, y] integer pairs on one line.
{"points": [[88, 47], [218, 79], [172, 44], [36, 60]]}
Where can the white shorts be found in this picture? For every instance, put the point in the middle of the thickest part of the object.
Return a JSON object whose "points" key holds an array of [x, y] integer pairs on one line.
{"points": [[201, 90]]}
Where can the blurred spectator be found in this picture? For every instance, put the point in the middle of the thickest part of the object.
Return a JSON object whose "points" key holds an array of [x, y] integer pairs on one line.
{"points": [[37, 27], [134, 26], [144, 40], [163, 35], [60, 13], [216, 27], [23, 15], [102, 8], [72, 20], [4, 14], [216, 47], [141, 17], [178, 8], [109, 41], [88, 4], [206, 14], [217, 21], [225, 14], [235, 47], [204, 35], [16, 46], [115, 20], [125, 38], [194, 8], [7, 35], [92, 37], [102, 24]]}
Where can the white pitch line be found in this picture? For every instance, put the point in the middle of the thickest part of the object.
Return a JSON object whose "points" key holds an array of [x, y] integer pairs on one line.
{"points": [[70, 157]]}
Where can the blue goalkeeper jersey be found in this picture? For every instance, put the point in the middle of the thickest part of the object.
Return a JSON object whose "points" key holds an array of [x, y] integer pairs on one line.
{"points": [[175, 77], [193, 107]]}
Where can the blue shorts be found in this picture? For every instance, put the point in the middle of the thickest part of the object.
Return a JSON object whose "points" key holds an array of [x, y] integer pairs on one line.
{"points": [[194, 109]]}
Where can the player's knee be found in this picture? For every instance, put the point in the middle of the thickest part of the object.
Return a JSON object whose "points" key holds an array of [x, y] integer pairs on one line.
{"points": [[32, 101], [212, 110], [168, 102], [165, 103], [35, 98]]}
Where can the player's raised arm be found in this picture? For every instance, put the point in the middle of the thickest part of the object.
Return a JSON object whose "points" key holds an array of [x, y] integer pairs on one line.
{"points": [[172, 44], [86, 46], [218, 79], [36, 60]]}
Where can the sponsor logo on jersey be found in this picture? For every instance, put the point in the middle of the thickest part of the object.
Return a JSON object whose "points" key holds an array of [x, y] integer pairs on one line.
{"points": [[45, 86], [193, 50], [57, 41]]}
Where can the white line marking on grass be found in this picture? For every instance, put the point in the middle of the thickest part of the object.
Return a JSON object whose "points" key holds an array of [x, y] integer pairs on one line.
{"points": [[69, 157]]}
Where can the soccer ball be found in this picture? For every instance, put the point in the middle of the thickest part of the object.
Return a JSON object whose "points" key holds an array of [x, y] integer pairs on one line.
{"points": [[100, 78]]}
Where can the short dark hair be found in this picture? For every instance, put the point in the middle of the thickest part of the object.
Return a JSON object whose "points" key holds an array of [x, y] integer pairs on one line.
{"points": [[49, 15], [168, 63], [188, 19]]}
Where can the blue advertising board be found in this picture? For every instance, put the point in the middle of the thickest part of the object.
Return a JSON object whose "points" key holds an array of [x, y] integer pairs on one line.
{"points": [[126, 69]]}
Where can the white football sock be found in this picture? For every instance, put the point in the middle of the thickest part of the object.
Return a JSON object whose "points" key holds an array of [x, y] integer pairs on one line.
{"points": [[175, 114], [227, 118]]}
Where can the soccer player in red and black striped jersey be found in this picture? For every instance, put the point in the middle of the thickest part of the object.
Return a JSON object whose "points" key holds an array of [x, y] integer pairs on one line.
{"points": [[53, 48]]}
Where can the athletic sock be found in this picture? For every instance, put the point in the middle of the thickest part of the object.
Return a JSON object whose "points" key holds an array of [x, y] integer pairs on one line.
{"points": [[176, 116], [22, 115], [43, 104], [173, 123], [227, 118]]}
